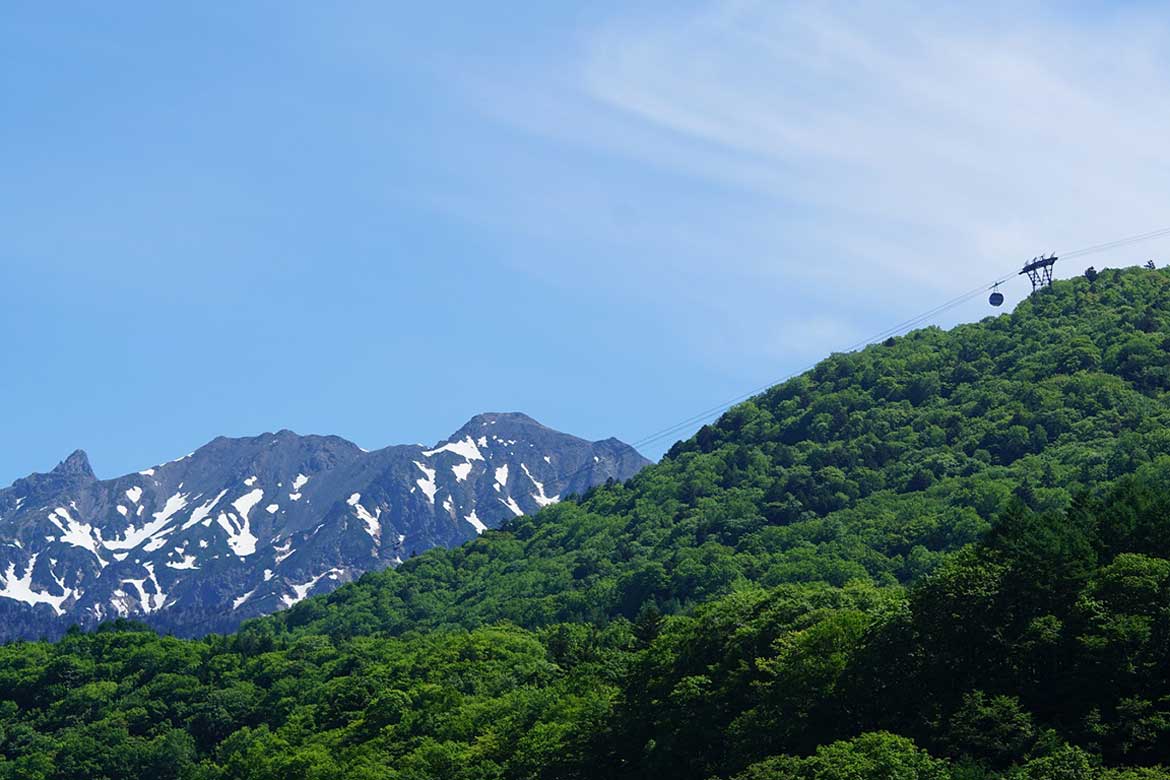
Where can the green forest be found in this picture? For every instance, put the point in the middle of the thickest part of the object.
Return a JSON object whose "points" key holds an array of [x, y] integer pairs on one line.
{"points": [[942, 557]]}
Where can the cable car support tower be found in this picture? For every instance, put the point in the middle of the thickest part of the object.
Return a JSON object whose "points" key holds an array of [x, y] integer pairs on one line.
{"points": [[1039, 271]]}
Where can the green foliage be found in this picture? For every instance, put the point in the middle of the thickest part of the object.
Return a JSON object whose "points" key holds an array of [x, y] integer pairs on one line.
{"points": [[947, 556], [875, 756]]}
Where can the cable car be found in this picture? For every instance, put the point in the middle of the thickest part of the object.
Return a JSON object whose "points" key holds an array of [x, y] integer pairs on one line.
{"points": [[996, 298]]}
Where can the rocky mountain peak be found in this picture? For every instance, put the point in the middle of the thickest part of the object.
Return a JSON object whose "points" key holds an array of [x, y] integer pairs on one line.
{"points": [[76, 465], [503, 420]]}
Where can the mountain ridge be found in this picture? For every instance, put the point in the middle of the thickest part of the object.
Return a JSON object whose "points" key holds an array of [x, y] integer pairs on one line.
{"points": [[317, 509]]}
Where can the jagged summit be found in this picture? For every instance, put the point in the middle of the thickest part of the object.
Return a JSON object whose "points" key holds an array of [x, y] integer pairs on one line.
{"points": [[77, 464], [493, 418], [501, 421]]}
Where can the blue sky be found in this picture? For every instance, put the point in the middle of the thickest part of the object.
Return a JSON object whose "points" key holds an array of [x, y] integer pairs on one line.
{"points": [[376, 220]]}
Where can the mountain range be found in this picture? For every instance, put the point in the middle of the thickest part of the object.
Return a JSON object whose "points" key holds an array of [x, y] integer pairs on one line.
{"points": [[945, 556], [247, 526]]}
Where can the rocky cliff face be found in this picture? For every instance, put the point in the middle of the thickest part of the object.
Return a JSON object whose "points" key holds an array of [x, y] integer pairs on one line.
{"points": [[244, 527]]}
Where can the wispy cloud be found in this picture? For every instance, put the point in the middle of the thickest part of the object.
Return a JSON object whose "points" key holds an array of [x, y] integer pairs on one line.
{"points": [[942, 136], [833, 167]]}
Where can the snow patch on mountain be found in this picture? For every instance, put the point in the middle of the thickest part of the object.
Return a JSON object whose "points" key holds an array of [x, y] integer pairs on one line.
{"points": [[187, 562], [20, 588], [238, 527], [132, 536], [539, 496], [427, 485], [282, 551], [476, 522], [202, 512], [239, 602], [152, 600], [465, 447], [75, 533], [302, 590]]}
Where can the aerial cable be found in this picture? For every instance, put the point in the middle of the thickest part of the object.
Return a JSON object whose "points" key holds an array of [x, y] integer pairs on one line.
{"points": [[882, 335], [1118, 243], [902, 326], [878, 337], [895, 330]]}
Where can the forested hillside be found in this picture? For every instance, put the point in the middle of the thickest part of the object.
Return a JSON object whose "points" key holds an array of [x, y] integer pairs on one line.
{"points": [[944, 556]]}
